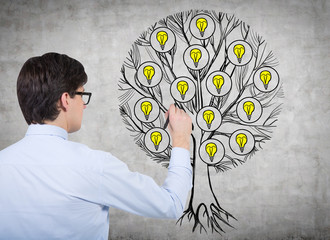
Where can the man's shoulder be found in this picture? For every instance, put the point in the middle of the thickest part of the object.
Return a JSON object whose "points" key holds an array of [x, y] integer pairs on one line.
{"points": [[80, 148], [40, 150], [10, 149]]}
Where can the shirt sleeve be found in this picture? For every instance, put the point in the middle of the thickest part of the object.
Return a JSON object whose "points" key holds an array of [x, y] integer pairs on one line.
{"points": [[140, 194]]}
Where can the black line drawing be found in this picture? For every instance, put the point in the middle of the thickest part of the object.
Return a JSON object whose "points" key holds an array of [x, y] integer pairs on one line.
{"points": [[217, 69]]}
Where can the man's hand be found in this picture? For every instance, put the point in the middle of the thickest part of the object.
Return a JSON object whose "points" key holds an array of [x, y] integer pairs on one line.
{"points": [[180, 126]]}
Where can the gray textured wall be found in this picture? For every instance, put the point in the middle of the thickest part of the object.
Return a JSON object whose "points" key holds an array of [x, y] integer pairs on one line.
{"points": [[281, 193]]}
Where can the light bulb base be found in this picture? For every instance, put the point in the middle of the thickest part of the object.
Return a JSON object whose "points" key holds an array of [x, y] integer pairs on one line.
{"points": [[147, 117], [218, 90], [242, 149], [202, 34], [162, 46], [266, 86], [183, 96], [149, 81], [211, 158], [156, 147], [209, 125], [196, 64]]}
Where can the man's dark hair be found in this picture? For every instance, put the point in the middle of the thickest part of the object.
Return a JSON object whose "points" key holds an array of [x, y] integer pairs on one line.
{"points": [[42, 81]]}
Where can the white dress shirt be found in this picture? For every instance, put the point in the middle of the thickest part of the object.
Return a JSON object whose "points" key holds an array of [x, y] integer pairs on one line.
{"points": [[52, 188]]}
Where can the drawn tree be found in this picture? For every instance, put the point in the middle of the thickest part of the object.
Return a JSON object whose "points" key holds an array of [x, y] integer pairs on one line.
{"points": [[215, 68]]}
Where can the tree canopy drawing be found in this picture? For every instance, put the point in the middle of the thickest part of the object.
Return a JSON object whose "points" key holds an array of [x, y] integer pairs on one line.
{"points": [[219, 71]]}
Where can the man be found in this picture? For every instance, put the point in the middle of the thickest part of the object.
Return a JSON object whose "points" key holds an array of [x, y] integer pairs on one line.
{"points": [[52, 188]]}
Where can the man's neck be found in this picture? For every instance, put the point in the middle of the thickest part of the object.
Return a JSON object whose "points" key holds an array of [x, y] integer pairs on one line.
{"points": [[59, 122]]}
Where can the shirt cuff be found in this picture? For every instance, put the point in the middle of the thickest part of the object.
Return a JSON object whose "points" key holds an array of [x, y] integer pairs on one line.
{"points": [[180, 157]]}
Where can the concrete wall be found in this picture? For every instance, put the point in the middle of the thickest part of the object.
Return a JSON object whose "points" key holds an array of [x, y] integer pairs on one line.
{"points": [[281, 193]]}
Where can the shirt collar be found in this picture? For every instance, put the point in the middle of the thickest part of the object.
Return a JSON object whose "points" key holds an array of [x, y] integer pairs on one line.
{"points": [[44, 129]]}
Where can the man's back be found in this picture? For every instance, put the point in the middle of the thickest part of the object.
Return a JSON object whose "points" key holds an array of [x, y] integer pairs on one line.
{"points": [[43, 179], [56, 189]]}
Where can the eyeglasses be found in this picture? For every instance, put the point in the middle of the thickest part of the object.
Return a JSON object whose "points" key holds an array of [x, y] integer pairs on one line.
{"points": [[86, 96]]}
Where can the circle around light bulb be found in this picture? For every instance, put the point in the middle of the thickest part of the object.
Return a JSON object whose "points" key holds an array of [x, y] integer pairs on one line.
{"points": [[219, 155], [153, 114], [164, 143], [157, 77], [249, 145], [216, 122], [190, 94], [226, 87], [169, 44], [203, 61], [247, 56], [256, 114], [272, 84], [208, 31]]}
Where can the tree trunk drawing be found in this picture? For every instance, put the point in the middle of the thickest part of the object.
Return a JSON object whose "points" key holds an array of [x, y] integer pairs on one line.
{"points": [[204, 211]]}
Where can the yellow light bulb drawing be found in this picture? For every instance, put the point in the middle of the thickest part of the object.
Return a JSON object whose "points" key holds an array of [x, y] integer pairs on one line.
{"points": [[195, 55], [182, 87], [208, 116], [241, 140], [265, 77], [146, 108], [248, 108], [211, 149], [156, 138], [201, 24], [162, 38], [239, 51], [149, 72], [218, 82]]}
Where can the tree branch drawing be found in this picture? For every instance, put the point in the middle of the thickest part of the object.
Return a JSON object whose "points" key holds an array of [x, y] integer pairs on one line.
{"points": [[218, 70]]}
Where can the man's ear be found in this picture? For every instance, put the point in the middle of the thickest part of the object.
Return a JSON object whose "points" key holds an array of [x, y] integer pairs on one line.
{"points": [[64, 101]]}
